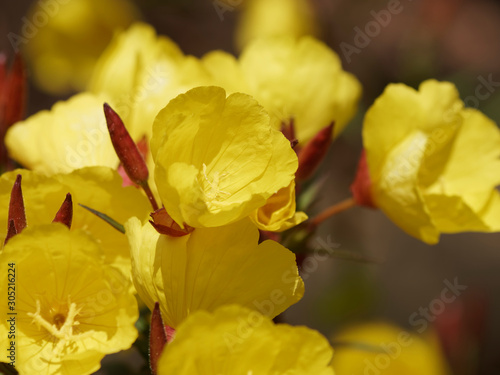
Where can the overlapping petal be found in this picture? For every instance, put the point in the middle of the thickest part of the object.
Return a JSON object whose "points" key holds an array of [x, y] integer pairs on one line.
{"points": [[212, 267]]}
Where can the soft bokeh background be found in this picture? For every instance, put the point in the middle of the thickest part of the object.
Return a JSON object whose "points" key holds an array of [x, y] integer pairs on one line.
{"points": [[455, 40]]}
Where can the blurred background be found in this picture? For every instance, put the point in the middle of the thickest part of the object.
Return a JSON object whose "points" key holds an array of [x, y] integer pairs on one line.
{"points": [[454, 40]]}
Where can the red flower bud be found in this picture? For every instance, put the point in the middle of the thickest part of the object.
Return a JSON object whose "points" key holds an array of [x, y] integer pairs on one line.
{"points": [[125, 148], [142, 146], [313, 153], [361, 186], [157, 338], [164, 224], [65, 213]]}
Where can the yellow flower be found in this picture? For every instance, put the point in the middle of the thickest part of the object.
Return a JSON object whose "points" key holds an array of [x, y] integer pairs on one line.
{"points": [[63, 39], [292, 78], [71, 309], [217, 158], [212, 267], [433, 164], [270, 18], [382, 348], [236, 340], [278, 214], [72, 135], [141, 72], [98, 187]]}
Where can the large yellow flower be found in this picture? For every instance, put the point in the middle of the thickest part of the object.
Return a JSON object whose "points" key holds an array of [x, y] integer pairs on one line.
{"points": [[98, 187], [300, 79], [433, 164], [70, 308], [217, 158], [212, 267], [63, 39], [382, 348], [236, 340]]}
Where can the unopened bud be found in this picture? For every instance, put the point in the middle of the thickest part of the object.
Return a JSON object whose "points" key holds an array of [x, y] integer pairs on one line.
{"points": [[313, 153], [126, 149]]}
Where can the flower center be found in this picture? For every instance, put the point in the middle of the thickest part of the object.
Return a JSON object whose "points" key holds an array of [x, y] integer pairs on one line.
{"points": [[60, 325], [211, 187]]}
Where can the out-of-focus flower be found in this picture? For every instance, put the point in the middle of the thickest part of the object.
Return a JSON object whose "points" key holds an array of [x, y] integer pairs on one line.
{"points": [[72, 135], [212, 267], [300, 79], [271, 18], [71, 308], [278, 214], [433, 164], [236, 340], [382, 348], [217, 158], [141, 72], [96, 187], [64, 39]]}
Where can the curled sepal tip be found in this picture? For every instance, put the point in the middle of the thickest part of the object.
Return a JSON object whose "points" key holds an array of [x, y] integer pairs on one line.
{"points": [[164, 224], [65, 213], [157, 338]]}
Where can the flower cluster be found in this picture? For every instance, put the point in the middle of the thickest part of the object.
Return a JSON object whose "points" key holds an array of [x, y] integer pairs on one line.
{"points": [[188, 185]]}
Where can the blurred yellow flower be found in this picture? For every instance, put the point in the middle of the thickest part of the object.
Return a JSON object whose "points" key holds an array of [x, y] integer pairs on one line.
{"points": [[71, 309], [212, 267], [63, 39], [72, 135], [236, 340], [433, 164], [384, 349], [300, 79], [217, 158], [278, 214], [141, 72], [270, 18], [97, 187]]}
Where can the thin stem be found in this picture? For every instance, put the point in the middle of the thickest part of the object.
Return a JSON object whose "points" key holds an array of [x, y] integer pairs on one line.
{"points": [[149, 194], [333, 210]]}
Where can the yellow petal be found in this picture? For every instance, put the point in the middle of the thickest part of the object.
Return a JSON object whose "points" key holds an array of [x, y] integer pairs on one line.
{"points": [[236, 340], [72, 135], [278, 214], [212, 267]]}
